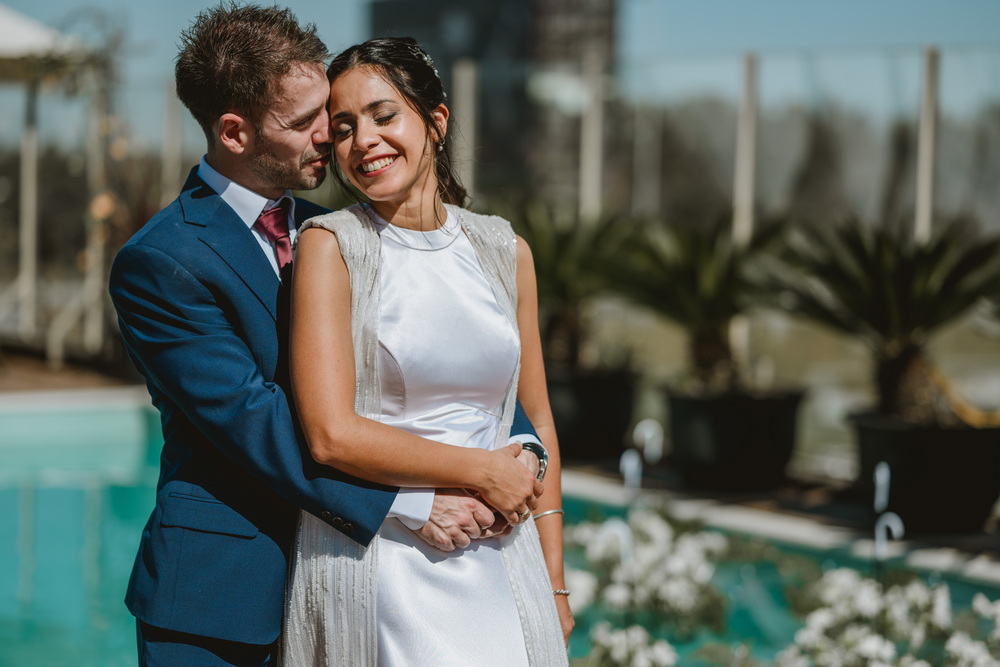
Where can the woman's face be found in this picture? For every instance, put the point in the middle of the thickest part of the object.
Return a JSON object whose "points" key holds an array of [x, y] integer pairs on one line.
{"points": [[380, 143]]}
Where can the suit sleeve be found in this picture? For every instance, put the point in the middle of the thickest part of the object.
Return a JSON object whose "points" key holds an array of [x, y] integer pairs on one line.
{"points": [[177, 331], [521, 426]]}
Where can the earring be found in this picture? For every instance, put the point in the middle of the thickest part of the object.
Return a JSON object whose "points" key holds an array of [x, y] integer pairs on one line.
{"points": [[440, 145]]}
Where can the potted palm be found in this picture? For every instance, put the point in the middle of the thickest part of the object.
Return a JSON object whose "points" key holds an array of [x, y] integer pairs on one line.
{"points": [[592, 403], [878, 284], [724, 433]]}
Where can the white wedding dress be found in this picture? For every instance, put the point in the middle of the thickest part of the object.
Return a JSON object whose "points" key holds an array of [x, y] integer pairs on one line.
{"points": [[447, 356]]}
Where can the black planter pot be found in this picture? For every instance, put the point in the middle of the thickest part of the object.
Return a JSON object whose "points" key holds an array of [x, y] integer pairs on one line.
{"points": [[738, 442], [592, 412], [942, 479]]}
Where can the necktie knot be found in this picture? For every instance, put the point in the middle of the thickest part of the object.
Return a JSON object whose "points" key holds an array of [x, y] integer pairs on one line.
{"points": [[273, 224]]}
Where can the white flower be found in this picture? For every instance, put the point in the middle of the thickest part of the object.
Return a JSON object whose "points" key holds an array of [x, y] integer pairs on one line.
{"points": [[630, 646], [868, 599], [941, 607], [910, 661], [988, 610], [617, 596], [967, 652], [584, 587], [604, 546], [917, 635], [875, 647], [680, 594], [791, 657], [663, 654], [820, 619]]}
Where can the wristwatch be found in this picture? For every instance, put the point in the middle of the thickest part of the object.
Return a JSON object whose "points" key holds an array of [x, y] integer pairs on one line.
{"points": [[543, 457]]}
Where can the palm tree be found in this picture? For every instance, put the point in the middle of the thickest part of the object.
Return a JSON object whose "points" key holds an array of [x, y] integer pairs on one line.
{"points": [[700, 278], [723, 435], [892, 292], [573, 262]]}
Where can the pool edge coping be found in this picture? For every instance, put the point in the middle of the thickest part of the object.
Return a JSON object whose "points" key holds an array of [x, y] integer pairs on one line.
{"points": [[794, 530]]}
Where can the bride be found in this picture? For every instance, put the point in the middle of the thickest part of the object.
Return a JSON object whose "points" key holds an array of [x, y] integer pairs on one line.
{"points": [[413, 318]]}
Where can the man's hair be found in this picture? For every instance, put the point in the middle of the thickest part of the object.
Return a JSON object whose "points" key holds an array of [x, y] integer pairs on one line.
{"points": [[233, 58]]}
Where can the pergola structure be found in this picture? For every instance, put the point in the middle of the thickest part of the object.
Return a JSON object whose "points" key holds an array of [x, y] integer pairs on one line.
{"points": [[32, 54]]}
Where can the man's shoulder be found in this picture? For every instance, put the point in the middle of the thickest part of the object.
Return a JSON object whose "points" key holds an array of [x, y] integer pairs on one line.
{"points": [[166, 228]]}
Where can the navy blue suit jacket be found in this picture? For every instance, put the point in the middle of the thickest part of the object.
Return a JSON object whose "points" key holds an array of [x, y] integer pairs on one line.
{"points": [[204, 320]]}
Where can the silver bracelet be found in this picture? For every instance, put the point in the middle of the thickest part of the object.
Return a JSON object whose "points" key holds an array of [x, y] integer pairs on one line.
{"points": [[560, 591], [541, 514]]}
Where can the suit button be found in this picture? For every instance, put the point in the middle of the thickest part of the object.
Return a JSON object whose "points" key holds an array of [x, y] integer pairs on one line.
{"points": [[348, 528], [326, 516]]}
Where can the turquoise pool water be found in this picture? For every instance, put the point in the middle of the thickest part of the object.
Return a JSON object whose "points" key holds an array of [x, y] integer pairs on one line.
{"points": [[76, 486]]}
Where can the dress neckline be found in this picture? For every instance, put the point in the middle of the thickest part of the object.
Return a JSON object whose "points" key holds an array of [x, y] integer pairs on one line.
{"points": [[435, 239]]}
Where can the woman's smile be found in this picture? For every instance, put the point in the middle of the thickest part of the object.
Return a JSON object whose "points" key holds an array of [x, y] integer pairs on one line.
{"points": [[369, 167]]}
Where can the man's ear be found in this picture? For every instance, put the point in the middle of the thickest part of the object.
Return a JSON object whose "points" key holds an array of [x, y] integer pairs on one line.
{"points": [[235, 133]]}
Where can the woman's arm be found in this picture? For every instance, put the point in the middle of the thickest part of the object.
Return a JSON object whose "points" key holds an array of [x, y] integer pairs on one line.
{"points": [[534, 397], [323, 382]]}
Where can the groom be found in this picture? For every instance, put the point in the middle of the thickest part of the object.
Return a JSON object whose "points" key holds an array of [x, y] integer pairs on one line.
{"points": [[202, 317]]}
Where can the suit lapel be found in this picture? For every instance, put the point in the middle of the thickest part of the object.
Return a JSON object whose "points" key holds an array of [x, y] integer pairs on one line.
{"points": [[227, 235]]}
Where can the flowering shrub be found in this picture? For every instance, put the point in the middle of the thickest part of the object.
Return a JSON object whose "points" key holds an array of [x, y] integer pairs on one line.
{"points": [[631, 646], [650, 582], [649, 565], [858, 622]]}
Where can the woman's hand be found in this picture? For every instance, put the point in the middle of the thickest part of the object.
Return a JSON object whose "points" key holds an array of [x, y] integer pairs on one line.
{"points": [[565, 616], [509, 487]]}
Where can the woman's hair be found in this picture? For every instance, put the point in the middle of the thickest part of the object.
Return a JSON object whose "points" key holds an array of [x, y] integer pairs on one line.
{"points": [[409, 69]]}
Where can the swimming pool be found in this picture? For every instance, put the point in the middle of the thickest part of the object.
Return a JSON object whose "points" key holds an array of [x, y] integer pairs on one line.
{"points": [[77, 473]]}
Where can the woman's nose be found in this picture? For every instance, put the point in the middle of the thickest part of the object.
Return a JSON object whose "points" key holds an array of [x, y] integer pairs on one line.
{"points": [[365, 136]]}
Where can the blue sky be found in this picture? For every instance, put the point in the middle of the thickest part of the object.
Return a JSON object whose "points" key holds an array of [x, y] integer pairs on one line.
{"points": [[866, 51]]}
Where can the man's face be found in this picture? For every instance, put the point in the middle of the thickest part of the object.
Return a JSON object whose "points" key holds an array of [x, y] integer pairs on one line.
{"points": [[292, 148]]}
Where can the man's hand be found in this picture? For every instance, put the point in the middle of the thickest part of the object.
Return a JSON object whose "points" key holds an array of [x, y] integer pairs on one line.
{"points": [[457, 518], [530, 460], [500, 527]]}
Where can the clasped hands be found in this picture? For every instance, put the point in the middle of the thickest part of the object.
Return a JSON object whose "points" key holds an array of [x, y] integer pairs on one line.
{"points": [[459, 516]]}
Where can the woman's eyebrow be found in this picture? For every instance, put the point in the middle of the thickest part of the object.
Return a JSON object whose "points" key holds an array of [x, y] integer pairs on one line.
{"points": [[368, 107]]}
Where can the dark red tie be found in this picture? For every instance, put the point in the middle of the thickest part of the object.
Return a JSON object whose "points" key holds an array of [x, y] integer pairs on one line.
{"points": [[273, 224]]}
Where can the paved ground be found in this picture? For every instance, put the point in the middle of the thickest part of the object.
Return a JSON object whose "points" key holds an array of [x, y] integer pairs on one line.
{"points": [[20, 372]]}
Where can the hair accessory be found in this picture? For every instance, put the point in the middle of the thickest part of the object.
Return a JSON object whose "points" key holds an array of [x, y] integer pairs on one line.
{"points": [[423, 55], [541, 514], [418, 52], [560, 591]]}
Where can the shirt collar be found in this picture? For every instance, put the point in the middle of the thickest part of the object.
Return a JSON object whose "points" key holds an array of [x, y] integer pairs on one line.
{"points": [[247, 204]]}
